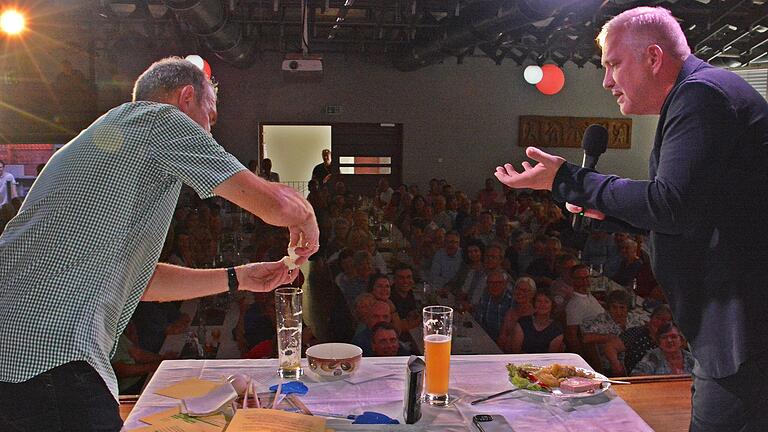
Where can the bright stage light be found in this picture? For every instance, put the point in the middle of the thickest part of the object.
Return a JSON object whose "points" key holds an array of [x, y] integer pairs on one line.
{"points": [[12, 22]]}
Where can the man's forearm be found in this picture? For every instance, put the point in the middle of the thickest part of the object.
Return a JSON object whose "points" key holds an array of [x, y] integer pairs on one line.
{"points": [[171, 283], [274, 203]]}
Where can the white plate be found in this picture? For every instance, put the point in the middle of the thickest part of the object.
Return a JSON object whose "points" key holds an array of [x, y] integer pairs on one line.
{"points": [[556, 392]]}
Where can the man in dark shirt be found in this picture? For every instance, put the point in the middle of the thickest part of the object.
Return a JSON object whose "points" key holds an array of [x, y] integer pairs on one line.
{"points": [[704, 205], [323, 172], [402, 294]]}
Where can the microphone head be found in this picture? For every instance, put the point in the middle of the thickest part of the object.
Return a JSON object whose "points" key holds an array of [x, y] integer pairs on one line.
{"points": [[595, 140]]}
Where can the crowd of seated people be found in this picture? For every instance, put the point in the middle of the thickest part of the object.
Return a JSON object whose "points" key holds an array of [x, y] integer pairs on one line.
{"points": [[510, 258]]}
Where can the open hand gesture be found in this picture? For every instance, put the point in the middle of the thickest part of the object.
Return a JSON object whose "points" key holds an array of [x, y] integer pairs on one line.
{"points": [[539, 176]]}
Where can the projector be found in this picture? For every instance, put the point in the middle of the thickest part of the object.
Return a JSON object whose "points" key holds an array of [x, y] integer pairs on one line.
{"points": [[298, 67]]}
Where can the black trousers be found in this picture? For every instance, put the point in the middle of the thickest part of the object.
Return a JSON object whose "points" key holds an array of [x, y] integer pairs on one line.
{"points": [[735, 403], [70, 397]]}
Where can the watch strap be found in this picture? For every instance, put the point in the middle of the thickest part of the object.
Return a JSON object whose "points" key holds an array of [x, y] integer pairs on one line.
{"points": [[232, 281]]}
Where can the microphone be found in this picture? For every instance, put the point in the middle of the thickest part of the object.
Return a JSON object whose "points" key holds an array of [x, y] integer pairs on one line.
{"points": [[594, 143]]}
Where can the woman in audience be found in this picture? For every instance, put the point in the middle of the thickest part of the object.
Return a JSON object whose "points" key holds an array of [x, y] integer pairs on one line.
{"points": [[636, 342], [669, 358], [380, 287], [524, 292], [470, 274], [538, 333]]}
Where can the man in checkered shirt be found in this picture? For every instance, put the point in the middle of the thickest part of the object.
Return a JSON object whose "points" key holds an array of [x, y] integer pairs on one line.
{"points": [[84, 247]]}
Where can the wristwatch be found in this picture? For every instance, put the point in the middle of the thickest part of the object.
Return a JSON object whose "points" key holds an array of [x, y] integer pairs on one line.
{"points": [[232, 279]]}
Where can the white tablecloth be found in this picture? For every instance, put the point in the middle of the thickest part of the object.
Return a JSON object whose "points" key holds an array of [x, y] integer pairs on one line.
{"points": [[471, 377]]}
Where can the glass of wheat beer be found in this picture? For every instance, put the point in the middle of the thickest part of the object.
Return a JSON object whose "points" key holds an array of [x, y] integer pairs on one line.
{"points": [[438, 329]]}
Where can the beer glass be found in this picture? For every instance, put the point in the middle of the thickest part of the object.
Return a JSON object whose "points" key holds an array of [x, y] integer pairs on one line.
{"points": [[289, 320], [438, 329]]}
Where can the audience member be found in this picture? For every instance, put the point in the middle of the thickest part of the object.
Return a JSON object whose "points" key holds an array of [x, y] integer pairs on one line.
{"points": [[383, 192], [378, 260], [483, 230], [562, 287], [155, 320], [635, 342], [488, 195], [580, 307], [544, 269], [494, 303], [384, 341], [266, 171], [669, 358], [625, 267], [379, 312], [493, 259], [446, 261], [324, 172], [132, 363], [471, 272], [357, 284], [522, 294], [538, 333], [402, 296], [606, 327], [7, 185], [442, 218]]}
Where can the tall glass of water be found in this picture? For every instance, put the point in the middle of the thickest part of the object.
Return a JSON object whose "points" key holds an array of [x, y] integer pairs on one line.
{"points": [[289, 319], [438, 329]]}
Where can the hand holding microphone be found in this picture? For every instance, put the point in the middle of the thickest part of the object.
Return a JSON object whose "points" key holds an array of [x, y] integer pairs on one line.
{"points": [[594, 143]]}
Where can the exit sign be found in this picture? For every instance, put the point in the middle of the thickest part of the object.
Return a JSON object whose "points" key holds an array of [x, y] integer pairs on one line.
{"points": [[333, 109]]}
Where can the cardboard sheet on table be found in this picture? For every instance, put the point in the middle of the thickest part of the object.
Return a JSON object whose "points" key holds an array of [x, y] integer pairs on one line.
{"points": [[163, 416], [192, 387], [170, 414], [268, 420], [182, 423]]}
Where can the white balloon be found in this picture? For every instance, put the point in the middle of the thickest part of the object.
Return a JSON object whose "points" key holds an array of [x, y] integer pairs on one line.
{"points": [[196, 60], [533, 74]]}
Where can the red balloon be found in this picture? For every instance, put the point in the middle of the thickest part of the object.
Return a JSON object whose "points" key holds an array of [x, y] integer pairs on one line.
{"points": [[553, 80], [207, 69]]}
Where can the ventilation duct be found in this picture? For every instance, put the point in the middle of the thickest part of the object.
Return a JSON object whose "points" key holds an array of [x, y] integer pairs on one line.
{"points": [[481, 23], [208, 20]]}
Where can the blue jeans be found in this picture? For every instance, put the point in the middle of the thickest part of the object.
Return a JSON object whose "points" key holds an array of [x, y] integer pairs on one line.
{"points": [[735, 403], [70, 397]]}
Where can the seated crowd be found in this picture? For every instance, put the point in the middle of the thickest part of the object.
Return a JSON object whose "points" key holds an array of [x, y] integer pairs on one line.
{"points": [[509, 259]]}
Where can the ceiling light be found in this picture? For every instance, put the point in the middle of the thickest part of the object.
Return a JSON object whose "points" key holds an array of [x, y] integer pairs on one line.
{"points": [[12, 22]]}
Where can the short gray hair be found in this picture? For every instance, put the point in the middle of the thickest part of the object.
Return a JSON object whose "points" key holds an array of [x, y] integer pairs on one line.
{"points": [[649, 25], [166, 75]]}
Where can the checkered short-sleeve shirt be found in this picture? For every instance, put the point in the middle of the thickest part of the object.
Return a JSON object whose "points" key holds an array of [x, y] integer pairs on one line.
{"points": [[76, 259]]}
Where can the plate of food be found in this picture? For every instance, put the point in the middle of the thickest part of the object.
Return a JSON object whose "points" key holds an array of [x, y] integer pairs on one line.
{"points": [[557, 380]]}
